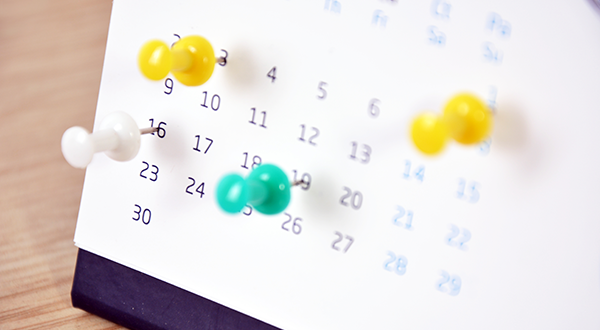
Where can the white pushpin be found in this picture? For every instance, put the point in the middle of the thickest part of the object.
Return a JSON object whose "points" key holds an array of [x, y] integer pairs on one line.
{"points": [[118, 136]]}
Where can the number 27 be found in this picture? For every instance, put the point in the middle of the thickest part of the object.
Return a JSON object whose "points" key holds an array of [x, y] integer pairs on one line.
{"points": [[338, 239]]}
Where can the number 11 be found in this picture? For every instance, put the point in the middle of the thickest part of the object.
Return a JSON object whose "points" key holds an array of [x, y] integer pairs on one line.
{"points": [[264, 118]]}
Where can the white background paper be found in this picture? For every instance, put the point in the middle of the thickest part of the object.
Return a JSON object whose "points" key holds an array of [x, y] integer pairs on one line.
{"points": [[533, 259]]}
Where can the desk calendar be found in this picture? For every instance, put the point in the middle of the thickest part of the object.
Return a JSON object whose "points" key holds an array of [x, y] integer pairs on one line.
{"points": [[500, 235]]}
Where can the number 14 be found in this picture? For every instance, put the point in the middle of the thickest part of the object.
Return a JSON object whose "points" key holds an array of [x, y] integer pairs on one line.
{"points": [[418, 173]]}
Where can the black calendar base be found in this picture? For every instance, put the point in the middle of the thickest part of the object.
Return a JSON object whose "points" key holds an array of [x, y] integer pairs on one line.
{"points": [[138, 301]]}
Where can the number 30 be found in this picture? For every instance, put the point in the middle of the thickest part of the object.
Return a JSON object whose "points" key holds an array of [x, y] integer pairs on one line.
{"points": [[145, 215]]}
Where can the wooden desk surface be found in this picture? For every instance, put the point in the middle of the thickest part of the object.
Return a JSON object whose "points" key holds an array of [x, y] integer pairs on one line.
{"points": [[51, 55]]}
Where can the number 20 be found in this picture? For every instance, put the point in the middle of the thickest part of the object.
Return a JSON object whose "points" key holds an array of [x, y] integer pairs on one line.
{"points": [[355, 198]]}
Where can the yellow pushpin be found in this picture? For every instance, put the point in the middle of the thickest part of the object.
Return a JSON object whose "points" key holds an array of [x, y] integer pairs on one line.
{"points": [[465, 118], [468, 118], [429, 133], [191, 60]]}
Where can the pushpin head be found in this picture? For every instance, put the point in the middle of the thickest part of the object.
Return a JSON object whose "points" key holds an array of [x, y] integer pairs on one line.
{"points": [[77, 147], [468, 119], [429, 133], [155, 60], [277, 185], [267, 189], [232, 193], [202, 60]]}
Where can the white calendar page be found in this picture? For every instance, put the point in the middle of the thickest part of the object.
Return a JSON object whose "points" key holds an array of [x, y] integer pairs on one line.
{"points": [[503, 235]]}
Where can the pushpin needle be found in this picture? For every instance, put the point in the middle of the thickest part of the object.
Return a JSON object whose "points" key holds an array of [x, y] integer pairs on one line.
{"points": [[299, 182], [148, 130]]}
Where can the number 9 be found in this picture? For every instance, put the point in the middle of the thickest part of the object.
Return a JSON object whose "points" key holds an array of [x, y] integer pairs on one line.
{"points": [[454, 284], [169, 85]]}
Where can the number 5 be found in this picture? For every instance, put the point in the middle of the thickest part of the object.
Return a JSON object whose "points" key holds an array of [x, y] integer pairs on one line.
{"points": [[321, 88]]}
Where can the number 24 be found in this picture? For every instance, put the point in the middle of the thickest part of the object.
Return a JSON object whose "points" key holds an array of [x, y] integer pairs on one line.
{"points": [[199, 189]]}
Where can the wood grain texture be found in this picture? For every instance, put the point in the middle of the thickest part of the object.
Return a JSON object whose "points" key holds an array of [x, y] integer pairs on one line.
{"points": [[51, 55]]}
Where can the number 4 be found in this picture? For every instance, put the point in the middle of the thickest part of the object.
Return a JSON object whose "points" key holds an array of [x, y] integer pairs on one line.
{"points": [[272, 74], [200, 190]]}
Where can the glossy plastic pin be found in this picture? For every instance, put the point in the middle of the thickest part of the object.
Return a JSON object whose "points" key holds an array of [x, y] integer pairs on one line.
{"points": [[465, 118], [118, 136], [266, 189], [429, 133], [468, 118], [191, 60]]}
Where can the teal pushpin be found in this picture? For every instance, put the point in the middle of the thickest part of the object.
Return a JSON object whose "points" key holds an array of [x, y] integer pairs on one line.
{"points": [[267, 189]]}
